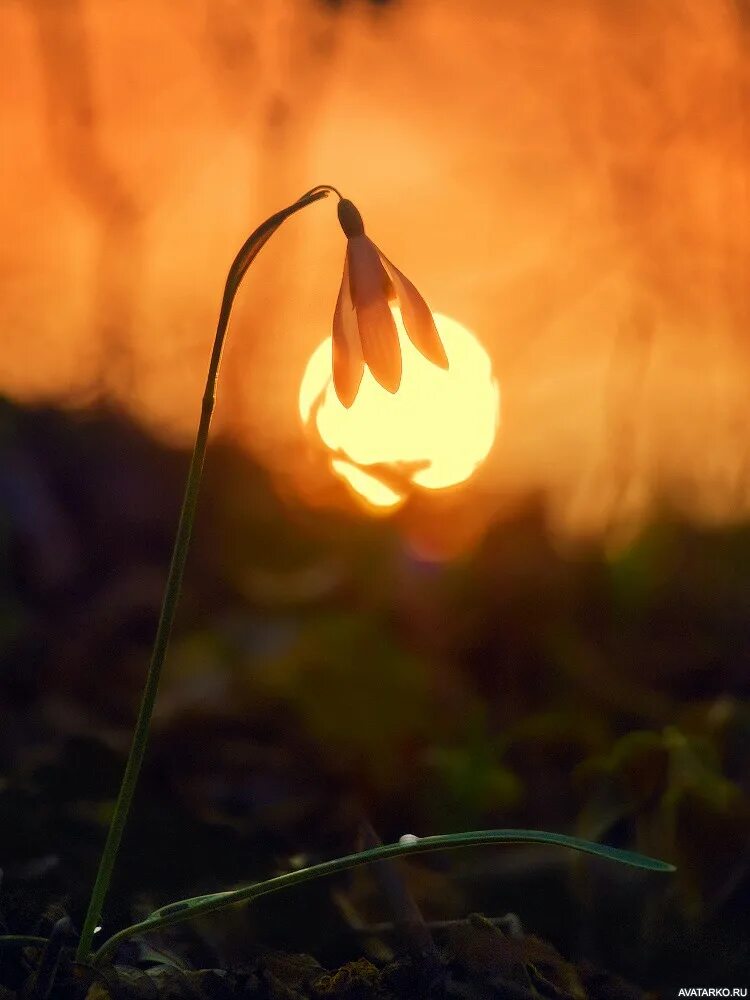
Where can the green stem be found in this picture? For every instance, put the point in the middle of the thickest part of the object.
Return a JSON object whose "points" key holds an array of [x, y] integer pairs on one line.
{"points": [[23, 940], [186, 909], [237, 271]]}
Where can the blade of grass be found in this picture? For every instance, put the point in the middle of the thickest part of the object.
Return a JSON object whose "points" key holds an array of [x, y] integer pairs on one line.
{"points": [[23, 940], [186, 909]]}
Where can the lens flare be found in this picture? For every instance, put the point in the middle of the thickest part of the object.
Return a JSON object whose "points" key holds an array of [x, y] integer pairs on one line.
{"points": [[432, 434]]}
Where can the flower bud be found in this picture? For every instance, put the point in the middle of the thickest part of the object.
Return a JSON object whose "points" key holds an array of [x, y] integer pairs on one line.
{"points": [[350, 219]]}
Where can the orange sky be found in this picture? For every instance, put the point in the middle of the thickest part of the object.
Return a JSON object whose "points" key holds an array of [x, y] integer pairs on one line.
{"points": [[568, 180]]}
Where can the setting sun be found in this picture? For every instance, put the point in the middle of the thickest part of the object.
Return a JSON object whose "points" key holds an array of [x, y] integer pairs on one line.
{"points": [[433, 433]]}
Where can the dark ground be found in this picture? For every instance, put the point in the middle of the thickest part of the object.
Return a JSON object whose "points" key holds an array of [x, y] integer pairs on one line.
{"points": [[320, 674]]}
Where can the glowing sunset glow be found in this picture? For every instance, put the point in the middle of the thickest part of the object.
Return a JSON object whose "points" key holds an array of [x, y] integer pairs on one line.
{"points": [[433, 433], [596, 234], [368, 486]]}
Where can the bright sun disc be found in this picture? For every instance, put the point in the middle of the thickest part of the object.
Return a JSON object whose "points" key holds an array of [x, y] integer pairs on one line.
{"points": [[432, 433]]}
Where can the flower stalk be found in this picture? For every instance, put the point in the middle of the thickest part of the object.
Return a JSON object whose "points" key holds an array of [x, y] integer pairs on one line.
{"points": [[250, 249]]}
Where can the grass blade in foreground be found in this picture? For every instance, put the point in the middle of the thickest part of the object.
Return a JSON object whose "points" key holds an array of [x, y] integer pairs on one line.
{"points": [[186, 909]]}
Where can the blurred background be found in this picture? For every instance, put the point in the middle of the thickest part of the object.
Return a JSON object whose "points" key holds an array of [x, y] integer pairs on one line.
{"points": [[561, 641]]}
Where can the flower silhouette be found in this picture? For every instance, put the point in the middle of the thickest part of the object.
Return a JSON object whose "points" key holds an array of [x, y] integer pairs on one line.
{"points": [[364, 330]]}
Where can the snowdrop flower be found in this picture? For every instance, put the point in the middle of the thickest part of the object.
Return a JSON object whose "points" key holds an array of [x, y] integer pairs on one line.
{"points": [[364, 331]]}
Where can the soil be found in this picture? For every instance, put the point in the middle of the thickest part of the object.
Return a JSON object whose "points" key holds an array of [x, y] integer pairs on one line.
{"points": [[319, 672], [473, 960]]}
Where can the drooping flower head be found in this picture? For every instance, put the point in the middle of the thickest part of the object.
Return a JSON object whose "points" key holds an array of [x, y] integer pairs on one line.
{"points": [[364, 331]]}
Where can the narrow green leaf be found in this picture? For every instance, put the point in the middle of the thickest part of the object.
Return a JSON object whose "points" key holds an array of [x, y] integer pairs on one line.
{"points": [[186, 909], [23, 940]]}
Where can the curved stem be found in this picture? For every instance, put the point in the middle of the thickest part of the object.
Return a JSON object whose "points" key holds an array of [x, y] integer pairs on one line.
{"points": [[242, 261], [328, 188]]}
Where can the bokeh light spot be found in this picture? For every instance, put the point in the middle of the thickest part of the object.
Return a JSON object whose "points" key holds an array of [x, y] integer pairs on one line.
{"points": [[433, 433]]}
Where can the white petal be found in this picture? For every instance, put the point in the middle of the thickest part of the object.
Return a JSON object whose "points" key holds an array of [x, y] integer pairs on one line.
{"points": [[377, 330], [348, 363], [417, 317]]}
